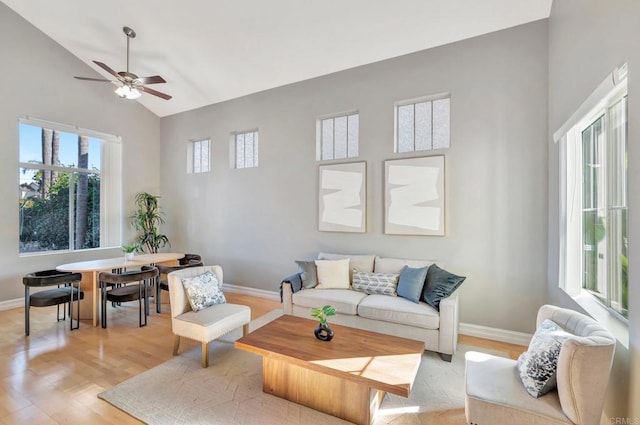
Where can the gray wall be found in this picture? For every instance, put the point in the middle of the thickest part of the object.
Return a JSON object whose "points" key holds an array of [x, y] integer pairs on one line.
{"points": [[37, 80], [587, 40], [256, 222]]}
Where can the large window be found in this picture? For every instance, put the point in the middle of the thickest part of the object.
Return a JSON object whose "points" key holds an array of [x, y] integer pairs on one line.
{"points": [[64, 197], [337, 137], [246, 149], [423, 124], [595, 203]]}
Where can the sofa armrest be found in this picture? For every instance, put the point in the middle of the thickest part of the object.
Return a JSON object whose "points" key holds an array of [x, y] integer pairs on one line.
{"points": [[287, 301], [449, 324]]}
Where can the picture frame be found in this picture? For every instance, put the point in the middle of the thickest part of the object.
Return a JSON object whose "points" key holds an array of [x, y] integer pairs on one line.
{"points": [[342, 197], [414, 196]]}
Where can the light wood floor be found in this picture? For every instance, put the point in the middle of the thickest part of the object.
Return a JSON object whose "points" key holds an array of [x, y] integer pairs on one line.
{"points": [[54, 375]]}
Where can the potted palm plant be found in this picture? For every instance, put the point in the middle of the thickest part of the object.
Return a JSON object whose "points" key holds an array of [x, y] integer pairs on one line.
{"points": [[323, 332], [146, 221]]}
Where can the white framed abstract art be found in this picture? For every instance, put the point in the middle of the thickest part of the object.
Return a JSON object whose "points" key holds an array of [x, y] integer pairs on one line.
{"points": [[342, 197], [414, 196]]}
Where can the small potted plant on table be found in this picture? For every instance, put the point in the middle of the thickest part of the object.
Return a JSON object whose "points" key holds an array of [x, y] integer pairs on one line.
{"points": [[323, 332], [129, 251]]}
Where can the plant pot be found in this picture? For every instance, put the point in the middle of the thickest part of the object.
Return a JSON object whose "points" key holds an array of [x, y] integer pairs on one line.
{"points": [[128, 256], [323, 332]]}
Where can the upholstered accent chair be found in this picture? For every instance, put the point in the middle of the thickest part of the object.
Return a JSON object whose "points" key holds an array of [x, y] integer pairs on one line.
{"points": [[207, 324], [495, 393]]}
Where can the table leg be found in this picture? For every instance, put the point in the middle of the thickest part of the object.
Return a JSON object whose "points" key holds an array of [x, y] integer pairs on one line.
{"points": [[345, 399]]}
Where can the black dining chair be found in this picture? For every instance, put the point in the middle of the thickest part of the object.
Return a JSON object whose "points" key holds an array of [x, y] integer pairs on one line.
{"points": [[124, 287], [163, 284], [66, 292]]}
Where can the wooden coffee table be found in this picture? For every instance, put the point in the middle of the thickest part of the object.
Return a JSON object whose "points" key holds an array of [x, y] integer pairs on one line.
{"points": [[345, 377]]}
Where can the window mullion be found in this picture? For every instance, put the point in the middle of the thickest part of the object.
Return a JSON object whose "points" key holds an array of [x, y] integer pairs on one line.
{"points": [[72, 218]]}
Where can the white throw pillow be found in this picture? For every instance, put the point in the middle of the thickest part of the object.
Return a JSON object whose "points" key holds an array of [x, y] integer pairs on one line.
{"points": [[203, 291], [333, 274]]}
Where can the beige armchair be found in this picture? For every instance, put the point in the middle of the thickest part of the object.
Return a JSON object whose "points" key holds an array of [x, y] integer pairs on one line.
{"points": [[496, 395], [207, 324]]}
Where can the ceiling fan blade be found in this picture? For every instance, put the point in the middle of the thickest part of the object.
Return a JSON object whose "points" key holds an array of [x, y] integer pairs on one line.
{"points": [[102, 80], [151, 80], [109, 70], [154, 92]]}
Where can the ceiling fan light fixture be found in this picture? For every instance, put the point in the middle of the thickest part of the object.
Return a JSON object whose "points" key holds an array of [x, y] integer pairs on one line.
{"points": [[128, 92]]}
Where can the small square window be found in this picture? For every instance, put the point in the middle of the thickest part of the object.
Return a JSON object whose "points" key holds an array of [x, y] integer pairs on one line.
{"points": [[422, 124], [198, 156], [337, 137]]}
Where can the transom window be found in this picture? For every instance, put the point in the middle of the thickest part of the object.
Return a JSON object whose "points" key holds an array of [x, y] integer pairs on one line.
{"points": [[65, 199], [198, 156], [337, 137], [246, 149], [422, 124]]}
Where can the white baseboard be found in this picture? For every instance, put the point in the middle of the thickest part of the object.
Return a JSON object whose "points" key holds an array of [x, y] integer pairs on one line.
{"points": [[502, 335], [9, 304], [245, 290]]}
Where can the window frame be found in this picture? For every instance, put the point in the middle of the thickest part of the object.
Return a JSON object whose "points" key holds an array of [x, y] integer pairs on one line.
{"points": [[193, 166], [599, 104], [110, 184], [414, 101], [320, 136], [255, 148]]}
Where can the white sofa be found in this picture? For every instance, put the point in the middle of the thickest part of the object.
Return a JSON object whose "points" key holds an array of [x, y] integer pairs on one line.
{"points": [[380, 313]]}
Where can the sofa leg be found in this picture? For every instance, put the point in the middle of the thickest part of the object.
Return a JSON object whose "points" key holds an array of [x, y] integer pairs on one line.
{"points": [[205, 354], [446, 357], [245, 329], [176, 344]]}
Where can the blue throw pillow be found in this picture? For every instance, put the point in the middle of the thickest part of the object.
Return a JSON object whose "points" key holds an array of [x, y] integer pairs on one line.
{"points": [[440, 284], [411, 283]]}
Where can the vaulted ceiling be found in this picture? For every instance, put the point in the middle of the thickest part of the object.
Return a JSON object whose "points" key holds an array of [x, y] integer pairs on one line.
{"points": [[214, 50]]}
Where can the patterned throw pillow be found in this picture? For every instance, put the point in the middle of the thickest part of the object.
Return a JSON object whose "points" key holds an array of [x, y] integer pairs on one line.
{"points": [[203, 291], [375, 283], [537, 366]]}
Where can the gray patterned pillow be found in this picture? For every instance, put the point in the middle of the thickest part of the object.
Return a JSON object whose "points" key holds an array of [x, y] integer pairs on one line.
{"points": [[203, 291], [537, 366], [375, 283]]}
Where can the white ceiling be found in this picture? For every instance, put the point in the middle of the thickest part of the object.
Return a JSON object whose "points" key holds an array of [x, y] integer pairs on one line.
{"points": [[214, 50]]}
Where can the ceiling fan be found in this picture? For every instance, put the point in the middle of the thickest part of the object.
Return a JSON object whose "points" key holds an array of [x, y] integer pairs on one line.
{"points": [[131, 84]]}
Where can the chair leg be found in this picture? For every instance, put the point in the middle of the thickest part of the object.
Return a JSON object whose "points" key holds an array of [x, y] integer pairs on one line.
{"points": [[176, 344], [245, 329], [27, 304], [158, 294], [205, 354]]}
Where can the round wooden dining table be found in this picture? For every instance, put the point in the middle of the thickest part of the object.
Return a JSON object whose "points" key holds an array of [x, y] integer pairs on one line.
{"points": [[89, 307]]}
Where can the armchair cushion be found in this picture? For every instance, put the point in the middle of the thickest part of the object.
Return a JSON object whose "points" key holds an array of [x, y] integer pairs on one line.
{"points": [[537, 366], [203, 291]]}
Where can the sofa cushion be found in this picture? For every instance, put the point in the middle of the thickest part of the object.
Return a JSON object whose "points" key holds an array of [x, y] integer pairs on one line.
{"points": [[363, 263], [395, 265], [399, 310], [333, 274], [345, 301], [439, 285], [411, 282], [308, 273], [375, 283]]}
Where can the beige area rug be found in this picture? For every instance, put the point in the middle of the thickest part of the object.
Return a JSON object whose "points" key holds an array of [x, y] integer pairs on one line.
{"points": [[229, 392]]}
